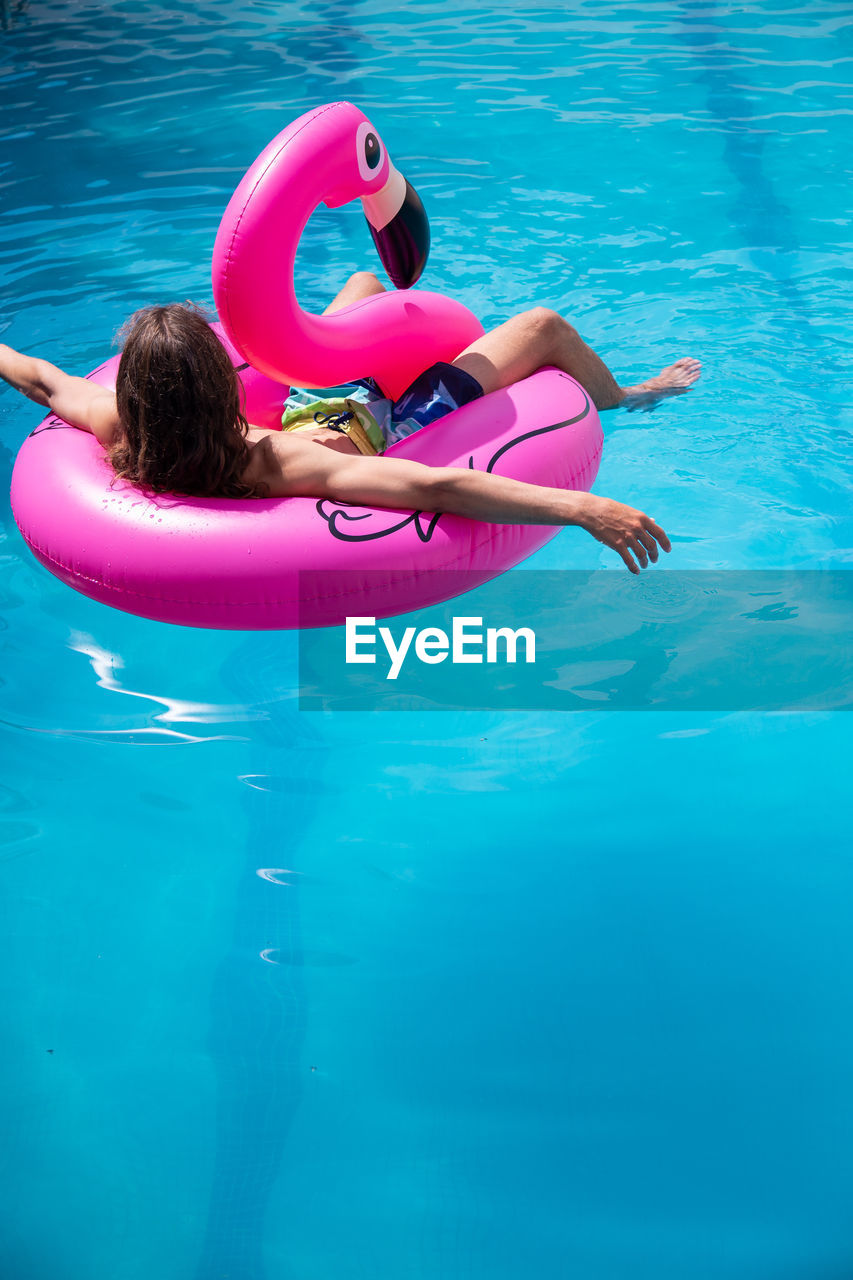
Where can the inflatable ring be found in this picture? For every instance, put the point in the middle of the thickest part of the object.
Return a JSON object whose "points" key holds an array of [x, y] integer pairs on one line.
{"points": [[295, 562]]}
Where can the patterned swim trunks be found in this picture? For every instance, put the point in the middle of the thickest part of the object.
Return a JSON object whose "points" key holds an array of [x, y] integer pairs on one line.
{"points": [[435, 392]]}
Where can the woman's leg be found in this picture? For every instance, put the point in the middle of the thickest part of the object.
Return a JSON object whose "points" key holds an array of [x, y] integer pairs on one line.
{"points": [[541, 337], [363, 284]]}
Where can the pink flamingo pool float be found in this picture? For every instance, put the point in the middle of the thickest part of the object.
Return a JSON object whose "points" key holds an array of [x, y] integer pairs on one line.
{"points": [[299, 562]]}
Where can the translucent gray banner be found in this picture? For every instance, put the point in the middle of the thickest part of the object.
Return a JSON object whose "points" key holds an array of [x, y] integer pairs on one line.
{"points": [[664, 641]]}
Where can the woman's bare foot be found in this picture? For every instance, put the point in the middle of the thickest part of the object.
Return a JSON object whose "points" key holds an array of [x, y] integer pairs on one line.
{"points": [[672, 381]]}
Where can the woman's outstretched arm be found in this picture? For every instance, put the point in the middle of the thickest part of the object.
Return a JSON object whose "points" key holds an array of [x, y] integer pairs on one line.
{"points": [[82, 403], [293, 466]]}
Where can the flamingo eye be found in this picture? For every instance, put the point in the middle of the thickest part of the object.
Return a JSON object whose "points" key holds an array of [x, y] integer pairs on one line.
{"points": [[369, 151], [372, 151]]}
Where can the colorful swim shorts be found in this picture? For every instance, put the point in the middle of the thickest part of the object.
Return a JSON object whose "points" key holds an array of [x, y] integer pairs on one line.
{"points": [[372, 420]]}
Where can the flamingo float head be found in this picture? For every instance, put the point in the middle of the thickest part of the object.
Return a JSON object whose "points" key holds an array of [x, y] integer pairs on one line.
{"points": [[331, 156], [393, 209]]}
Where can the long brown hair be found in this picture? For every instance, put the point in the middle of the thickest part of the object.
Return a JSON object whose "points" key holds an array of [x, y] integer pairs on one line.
{"points": [[180, 407]]}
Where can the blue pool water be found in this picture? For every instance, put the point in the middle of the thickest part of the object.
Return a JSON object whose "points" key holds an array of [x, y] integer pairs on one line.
{"points": [[422, 995]]}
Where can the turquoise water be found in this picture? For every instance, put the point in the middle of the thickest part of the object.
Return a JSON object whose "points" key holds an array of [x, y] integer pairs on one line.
{"points": [[454, 994]]}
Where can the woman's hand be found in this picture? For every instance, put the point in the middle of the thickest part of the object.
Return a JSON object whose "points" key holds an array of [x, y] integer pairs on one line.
{"points": [[628, 531]]}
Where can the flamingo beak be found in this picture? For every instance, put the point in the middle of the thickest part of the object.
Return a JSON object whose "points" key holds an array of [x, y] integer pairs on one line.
{"points": [[400, 229]]}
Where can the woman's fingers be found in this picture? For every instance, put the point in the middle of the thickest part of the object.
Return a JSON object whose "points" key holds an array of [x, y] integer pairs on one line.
{"points": [[639, 551], [632, 565], [644, 541], [649, 543], [639, 545], [658, 533]]}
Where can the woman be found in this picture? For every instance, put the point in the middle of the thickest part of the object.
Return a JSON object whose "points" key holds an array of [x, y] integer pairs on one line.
{"points": [[175, 424]]}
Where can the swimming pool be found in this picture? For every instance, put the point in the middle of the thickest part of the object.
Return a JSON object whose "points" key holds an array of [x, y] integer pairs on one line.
{"points": [[474, 994]]}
